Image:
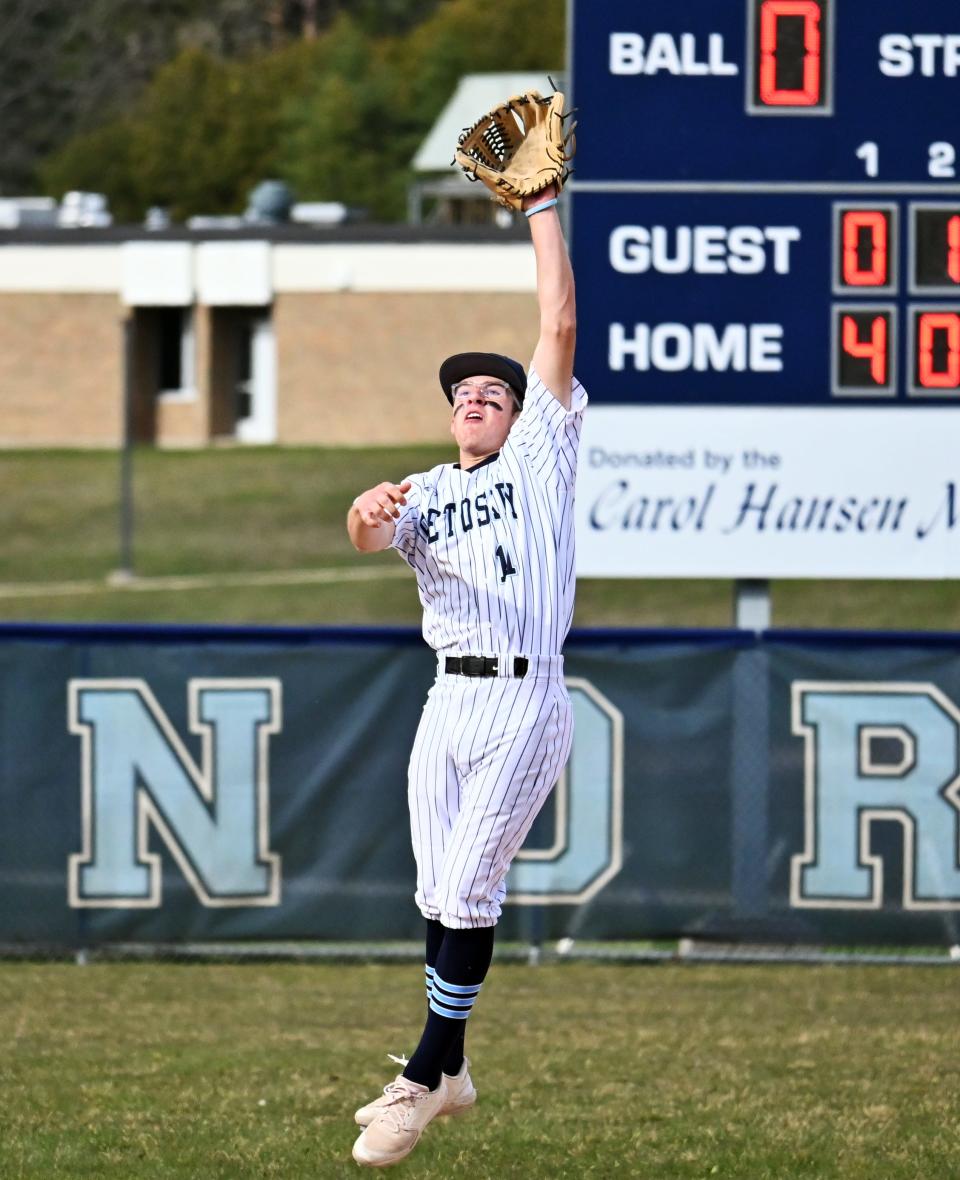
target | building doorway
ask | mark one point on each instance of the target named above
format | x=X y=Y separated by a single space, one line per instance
x=244 y=377
x=256 y=388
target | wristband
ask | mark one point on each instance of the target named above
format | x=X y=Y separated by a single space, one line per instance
x=539 y=208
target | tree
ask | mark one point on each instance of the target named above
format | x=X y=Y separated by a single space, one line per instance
x=338 y=141
x=338 y=115
x=466 y=38
x=378 y=18
x=68 y=68
x=203 y=134
x=353 y=135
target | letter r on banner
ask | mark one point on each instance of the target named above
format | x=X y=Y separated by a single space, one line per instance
x=214 y=819
x=847 y=786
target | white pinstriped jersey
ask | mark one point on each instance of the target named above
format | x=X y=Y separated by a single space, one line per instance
x=493 y=546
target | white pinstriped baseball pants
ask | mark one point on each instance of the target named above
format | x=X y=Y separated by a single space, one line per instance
x=487 y=754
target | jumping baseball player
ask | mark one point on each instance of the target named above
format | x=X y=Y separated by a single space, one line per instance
x=490 y=539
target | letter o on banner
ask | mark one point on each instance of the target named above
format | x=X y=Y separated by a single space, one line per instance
x=587 y=849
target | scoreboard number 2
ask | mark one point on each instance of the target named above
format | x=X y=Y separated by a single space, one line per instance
x=943 y=158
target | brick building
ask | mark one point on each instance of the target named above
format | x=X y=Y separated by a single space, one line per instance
x=283 y=334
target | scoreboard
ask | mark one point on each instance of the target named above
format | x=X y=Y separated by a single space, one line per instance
x=765 y=229
x=766 y=203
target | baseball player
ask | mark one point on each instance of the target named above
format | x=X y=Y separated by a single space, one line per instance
x=490 y=539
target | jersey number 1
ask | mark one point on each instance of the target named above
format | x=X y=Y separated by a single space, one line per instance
x=506 y=565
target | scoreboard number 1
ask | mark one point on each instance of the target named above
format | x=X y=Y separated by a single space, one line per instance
x=870 y=154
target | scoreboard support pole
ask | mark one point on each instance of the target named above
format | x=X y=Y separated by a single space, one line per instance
x=751 y=604
x=749 y=757
x=750 y=774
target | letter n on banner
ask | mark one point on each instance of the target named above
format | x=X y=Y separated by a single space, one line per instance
x=848 y=786
x=136 y=771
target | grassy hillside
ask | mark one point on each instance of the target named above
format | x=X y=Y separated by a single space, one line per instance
x=232 y=513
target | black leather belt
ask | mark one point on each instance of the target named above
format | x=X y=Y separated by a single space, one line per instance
x=483 y=666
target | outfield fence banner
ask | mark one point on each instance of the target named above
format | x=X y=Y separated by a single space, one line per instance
x=182 y=784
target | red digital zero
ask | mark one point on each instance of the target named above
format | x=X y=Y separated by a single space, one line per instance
x=791 y=53
x=938 y=350
x=866 y=247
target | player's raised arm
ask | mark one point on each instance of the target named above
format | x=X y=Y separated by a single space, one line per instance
x=521 y=150
x=553 y=356
x=372 y=516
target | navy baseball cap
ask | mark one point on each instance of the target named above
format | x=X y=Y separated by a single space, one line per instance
x=489 y=364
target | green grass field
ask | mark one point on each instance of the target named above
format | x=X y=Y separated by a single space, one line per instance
x=198 y=1072
x=234 y=511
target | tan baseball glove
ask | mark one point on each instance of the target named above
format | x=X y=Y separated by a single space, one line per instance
x=519 y=147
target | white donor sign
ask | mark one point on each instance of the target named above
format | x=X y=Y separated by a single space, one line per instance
x=769 y=493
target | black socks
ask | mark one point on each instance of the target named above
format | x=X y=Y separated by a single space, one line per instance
x=461 y=959
x=435 y=932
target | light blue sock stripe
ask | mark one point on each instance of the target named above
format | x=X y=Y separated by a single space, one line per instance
x=457 y=989
x=450 y=999
x=450 y=1013
x=453 y=1001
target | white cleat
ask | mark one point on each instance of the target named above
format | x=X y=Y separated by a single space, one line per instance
x=461 y=1095
x=406 y=1109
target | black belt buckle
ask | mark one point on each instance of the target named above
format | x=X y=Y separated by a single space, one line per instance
x=483 y=666
x=478 y=666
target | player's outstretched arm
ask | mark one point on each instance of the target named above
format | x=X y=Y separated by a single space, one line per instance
x=553 y=356
x=372 y=516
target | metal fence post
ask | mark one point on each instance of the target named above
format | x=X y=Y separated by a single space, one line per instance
x=125 y=570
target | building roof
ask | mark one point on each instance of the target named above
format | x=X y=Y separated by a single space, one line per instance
x=154 y=271
x=475 y=94
x=351 y=232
